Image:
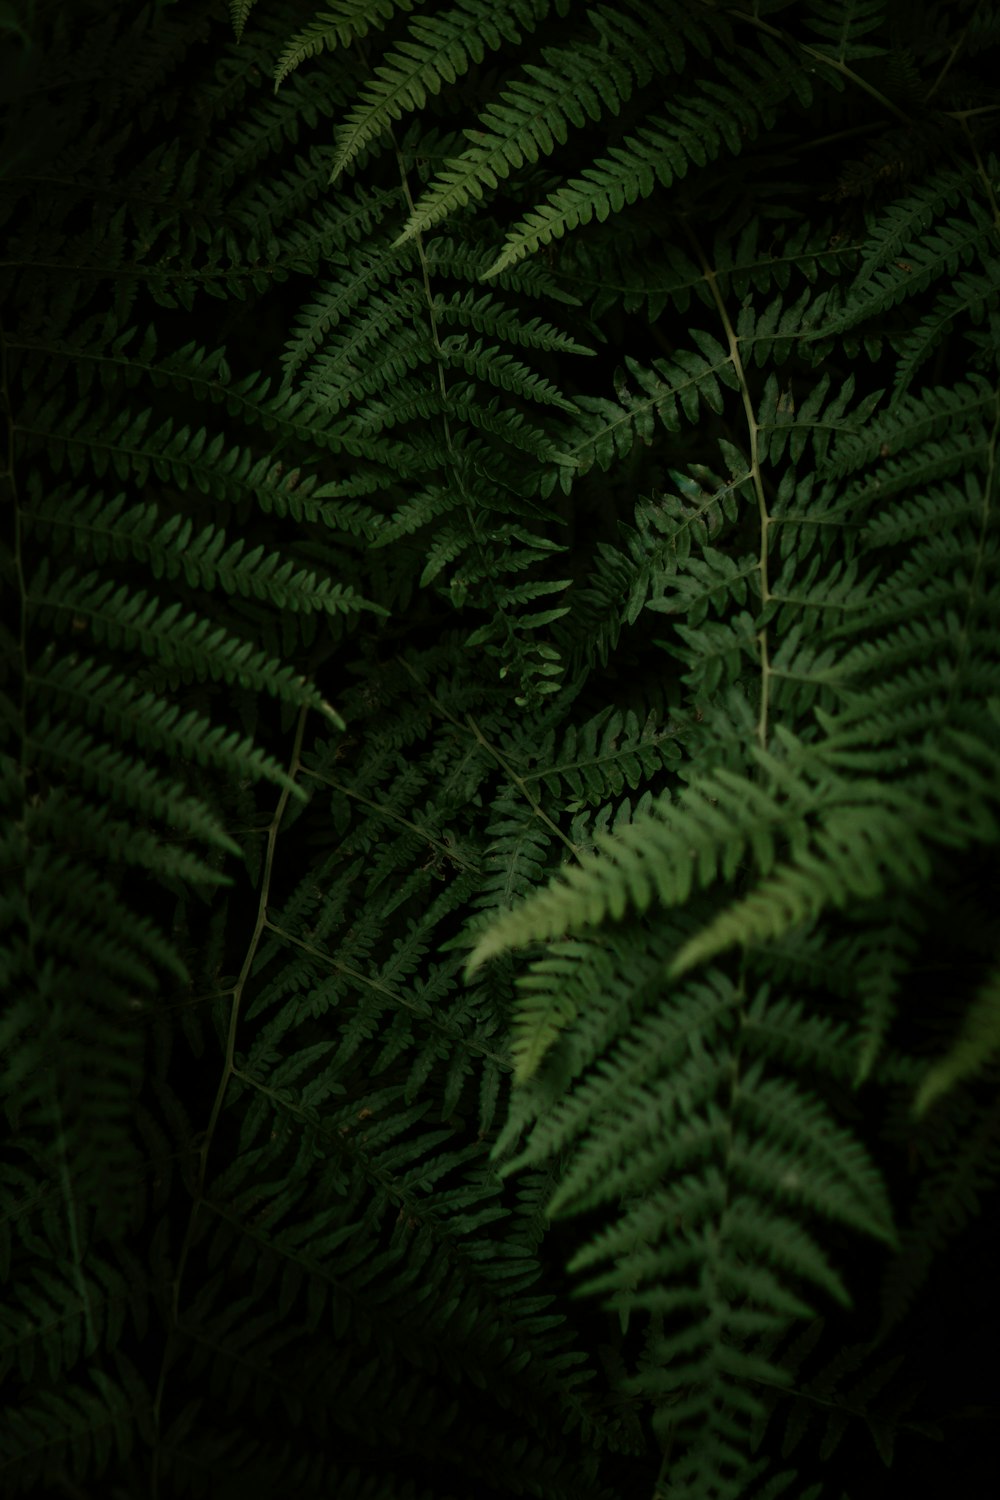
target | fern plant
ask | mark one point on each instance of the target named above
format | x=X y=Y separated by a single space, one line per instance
x=501 y=715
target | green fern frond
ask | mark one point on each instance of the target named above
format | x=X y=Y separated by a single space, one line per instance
x=941 y=252
x=239 y=14
x=840 y=25
x=118 y=840
x=103 y=696
x=175 y=547
x=672 y=391
x=680 y=846
x=973 y=296
x=946 y=423
x=184 y=643
x=602 y=757
x=972 y=1050
x=486 y=314
x=682 y=678
x=70 y=1430
x=862 y=851
x=662 y=149
x=343 y=23
x=439 y=49
x=857 y=1386
x=574 y=86
x=901 y=223
x=710 y=1162
x=667 y=526
x=73 y=751
x=364 y=274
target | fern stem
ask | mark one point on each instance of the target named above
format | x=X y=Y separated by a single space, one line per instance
x=73 y=1216
x=838 y=64
x=425 y=276
x=522 y=787
x=446 y=850
x=364 y=981
x=265 y=887
x=228 y=1071
x=501 y=612
x=981 y=171
x=505 y=766
x=945 y=68
x=753 y=430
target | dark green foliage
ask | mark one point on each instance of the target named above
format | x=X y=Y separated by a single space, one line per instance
x=499 y=747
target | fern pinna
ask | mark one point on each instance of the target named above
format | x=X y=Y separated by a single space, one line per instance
x=501 y=712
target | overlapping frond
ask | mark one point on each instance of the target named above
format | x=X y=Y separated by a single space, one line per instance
x=357 y=613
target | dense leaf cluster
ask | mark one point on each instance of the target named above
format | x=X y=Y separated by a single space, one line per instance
x=499 y=747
